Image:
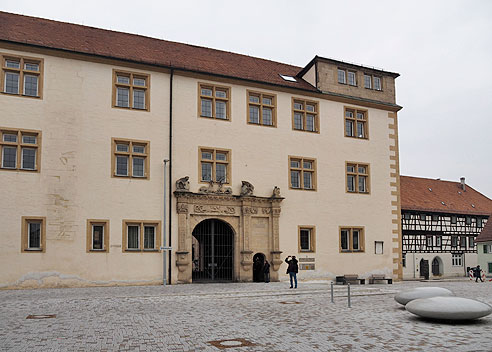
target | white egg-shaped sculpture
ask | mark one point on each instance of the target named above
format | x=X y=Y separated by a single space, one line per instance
x=449 y=308
x=421 y=292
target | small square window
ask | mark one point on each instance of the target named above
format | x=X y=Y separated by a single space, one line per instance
x=97 y=235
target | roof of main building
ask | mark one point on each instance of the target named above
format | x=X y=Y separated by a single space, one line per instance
x=486 y=233
x=140 y=49
x=424 y=194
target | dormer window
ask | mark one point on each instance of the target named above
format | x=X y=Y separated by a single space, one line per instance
x=288 y=78
x=372 y=82
x=342 y=77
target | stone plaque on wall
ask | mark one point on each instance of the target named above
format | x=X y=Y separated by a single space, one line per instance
x=259 y=233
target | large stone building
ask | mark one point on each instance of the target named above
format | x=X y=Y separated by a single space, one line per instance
x=440 y=223
x=265 y=160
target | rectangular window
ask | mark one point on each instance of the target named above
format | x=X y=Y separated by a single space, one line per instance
x=429 y=242
x=485 y=249
x=438 y=241
x=490 y=267
x=21 y=76
x=356 y=123
x=306 y=238
x=33 y=237
x=139 y=235
x=456 y=259
x=214 y=101
x=305 y=115
x=131 y=90
x=471 y=242
x=357 y=176
x=214 y=165
x=454 y=241
x=423 y=217
x=302 y=173
x=352 y=81
x=435 y=217
x=97 y=235
x=378 y=247
x=462 y=242
x=372 y=82
x=479 y=222
x=352 y=239
x=19 y=149
x=130 y=158
x=262 y=109
x=454 y=219
x=468 y=220
x=367 y=81
x=342 y=76
x=404 y=260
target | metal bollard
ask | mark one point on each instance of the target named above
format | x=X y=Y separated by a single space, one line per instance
x=332 y=301
x=348 y=290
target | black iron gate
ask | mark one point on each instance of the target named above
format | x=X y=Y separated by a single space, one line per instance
x=213 y=251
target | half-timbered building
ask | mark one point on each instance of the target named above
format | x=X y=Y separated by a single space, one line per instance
x=484 y=249
x=440 y=223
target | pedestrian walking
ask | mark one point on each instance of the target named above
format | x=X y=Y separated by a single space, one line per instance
x=292 y=270
x=266 y=271
x=478 y=273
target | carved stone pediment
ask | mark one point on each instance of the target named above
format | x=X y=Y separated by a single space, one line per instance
x=215 y=188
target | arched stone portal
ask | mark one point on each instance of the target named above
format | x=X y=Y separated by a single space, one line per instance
x=213 y=251
x=253 y=220
x=437 y=266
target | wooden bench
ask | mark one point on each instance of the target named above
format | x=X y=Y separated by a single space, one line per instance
x=379 y=278
x=352 y=279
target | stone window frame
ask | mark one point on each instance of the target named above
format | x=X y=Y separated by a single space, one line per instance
x=260 y=106
x=355 y=120
x=304 y=112
x=131 y=86
x=20 y=145
x=141 y=224
x=302 y=170
x=25 y=221
x=312 y=238
x=357 y=174
x=350 y=230
x=22 y=72
x=89 y=237
x=372 y=82
x=130 y=154
x=214 y=162
x=214 y=99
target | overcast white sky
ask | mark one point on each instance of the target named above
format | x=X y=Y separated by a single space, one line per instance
x=442 y=49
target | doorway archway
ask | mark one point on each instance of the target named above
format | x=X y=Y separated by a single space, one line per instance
x=258 y=263
x=212 y=251
x=436 y=266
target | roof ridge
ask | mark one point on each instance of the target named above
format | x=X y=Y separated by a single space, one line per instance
x=148 y=37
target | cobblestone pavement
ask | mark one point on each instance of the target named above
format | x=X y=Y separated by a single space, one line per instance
x=266 y=317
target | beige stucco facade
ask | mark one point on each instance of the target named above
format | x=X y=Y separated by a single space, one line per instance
x=77 y=124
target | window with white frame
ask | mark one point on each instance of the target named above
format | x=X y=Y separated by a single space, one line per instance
x=457 y=259
x=372 y=82
x=306 y=239
x=351 y=240
x=33 y=234
x=378 y=247
x=131 y=90
x=302 y=173
x=141 y=235
x=20 y=149
x=22 y=76
x=97 y=235
x=130 y=158
x=429 y=241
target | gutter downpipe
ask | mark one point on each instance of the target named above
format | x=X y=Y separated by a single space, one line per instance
x=164 y=280
x=170 y=166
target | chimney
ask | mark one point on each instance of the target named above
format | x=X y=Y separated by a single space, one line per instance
x=463 y=185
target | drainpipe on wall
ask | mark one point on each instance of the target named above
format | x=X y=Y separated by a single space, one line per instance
x=170 y=166
x=164 y=248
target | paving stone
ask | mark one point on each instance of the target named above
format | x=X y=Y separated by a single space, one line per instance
x=187 y=317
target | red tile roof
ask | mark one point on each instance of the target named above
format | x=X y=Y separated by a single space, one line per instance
x=486 y=233
x=424 y=194
x=136 y=48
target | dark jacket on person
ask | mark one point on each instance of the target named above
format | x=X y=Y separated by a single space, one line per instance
x=478 y=272
x=266 y=268
x=293 y=267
